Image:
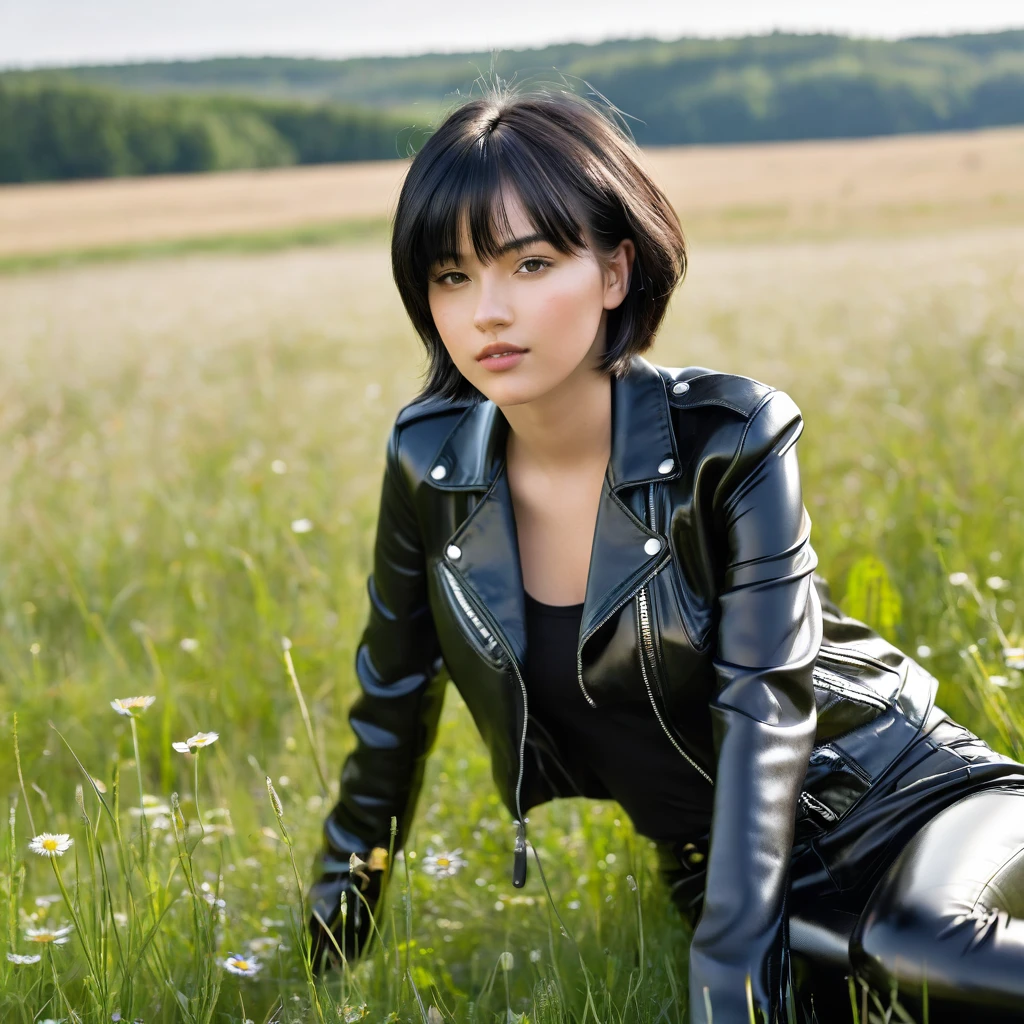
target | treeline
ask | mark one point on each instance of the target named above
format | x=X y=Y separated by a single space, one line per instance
x=260 y=112
x=58 y=130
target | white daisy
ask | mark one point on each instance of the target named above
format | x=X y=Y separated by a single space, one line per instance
x=444 y=864
x=150 y=805
x=958 y=579
x=246 y=965
x=264 y=944
x=126 y=705
x=58 y=936
x=1014 y=657
x=49 y=844
x=201 y=739
x=17 y=958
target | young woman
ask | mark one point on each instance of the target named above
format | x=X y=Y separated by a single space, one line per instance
x=611 y=560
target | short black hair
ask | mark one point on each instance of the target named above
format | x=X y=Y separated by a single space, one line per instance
x=572 y=167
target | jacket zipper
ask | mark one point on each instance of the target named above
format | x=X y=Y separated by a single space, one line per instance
x=491 y=640
x=844 y=687
x=854 y=657
x=645 y=631
x=593 y=629
x=644 y=618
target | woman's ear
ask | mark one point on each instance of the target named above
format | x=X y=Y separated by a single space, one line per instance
x=617 y=270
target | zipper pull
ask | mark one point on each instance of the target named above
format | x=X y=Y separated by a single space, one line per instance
x=519 y=857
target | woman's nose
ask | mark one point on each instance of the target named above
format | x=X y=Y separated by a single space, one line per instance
x=492 y=309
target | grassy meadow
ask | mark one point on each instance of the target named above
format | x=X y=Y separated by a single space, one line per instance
x=191 y=447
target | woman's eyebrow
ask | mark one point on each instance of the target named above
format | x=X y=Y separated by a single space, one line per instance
x=509 y=246
x=522 y=243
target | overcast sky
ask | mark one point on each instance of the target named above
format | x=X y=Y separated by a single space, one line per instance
x=34 y=32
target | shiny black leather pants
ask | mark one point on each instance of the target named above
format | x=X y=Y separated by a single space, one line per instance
x=950 y=909
x=942 y=901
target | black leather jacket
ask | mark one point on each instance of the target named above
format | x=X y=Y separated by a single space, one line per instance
x=702 y=594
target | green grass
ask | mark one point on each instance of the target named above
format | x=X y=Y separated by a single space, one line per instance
x=303 y=235
x=163 y=424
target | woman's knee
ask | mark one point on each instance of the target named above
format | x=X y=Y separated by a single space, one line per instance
x=941 y=915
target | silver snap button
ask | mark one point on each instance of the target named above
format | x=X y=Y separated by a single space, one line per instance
x=653 y=546
x=454 y=552
x=680 y=387
x=666 y=466
x=439 y=472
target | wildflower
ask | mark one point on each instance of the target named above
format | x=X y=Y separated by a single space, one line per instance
x=535 y=955
x=201 y=739
x=264 y=944
x=996 y=582
x=189 y=644
x=924 y=651
x=1014 y=657
x=506 y=961
x=45 y=901
x=246 y=965
x=48 y=844
x=279 y=466
x=302 y=525
x=1003 y=682
x=350 y=1014
x=57 y=936
x=126 y=705
x=18 y=958
x=150 y=805
x=445 y=864
x=958 y=579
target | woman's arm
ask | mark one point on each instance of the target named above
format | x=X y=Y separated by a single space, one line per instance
x=394 y=718
x=763 y=718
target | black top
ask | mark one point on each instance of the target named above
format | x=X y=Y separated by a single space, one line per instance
x=622 y=745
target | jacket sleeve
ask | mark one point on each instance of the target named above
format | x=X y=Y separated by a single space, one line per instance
x=763 y=718
x=394 y=718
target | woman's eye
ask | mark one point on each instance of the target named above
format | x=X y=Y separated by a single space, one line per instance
x=539 y=264
x=444 y=277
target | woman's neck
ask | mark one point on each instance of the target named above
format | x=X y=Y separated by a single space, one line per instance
x=566 y=429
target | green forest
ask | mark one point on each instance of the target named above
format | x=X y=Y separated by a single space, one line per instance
x=184 y=116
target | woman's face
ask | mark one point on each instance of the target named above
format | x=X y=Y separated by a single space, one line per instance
x=532 y=298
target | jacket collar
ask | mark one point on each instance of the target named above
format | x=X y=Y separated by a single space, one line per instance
x=473 y=454
x=483 y=551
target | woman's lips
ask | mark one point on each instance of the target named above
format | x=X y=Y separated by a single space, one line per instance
x=505 y=361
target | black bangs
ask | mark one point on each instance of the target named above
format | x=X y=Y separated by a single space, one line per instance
x=575 y=175
x=472 y=187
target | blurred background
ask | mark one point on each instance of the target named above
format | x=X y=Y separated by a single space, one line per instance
x=202 y=351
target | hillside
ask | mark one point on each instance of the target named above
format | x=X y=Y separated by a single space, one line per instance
x=229 y=113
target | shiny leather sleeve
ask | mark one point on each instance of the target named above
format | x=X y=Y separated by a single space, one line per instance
x=394 y=716
x=763 y=718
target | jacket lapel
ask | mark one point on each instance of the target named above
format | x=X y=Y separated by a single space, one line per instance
x=483 y=551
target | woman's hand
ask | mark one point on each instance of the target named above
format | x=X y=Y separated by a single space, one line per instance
x=341 y=920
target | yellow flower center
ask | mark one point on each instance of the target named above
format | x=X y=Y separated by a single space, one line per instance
x=242 y=965
x=49 y=844
x=443 y=862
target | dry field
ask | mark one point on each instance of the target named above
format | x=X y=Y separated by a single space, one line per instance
x=190 y=459
x=736 y=192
